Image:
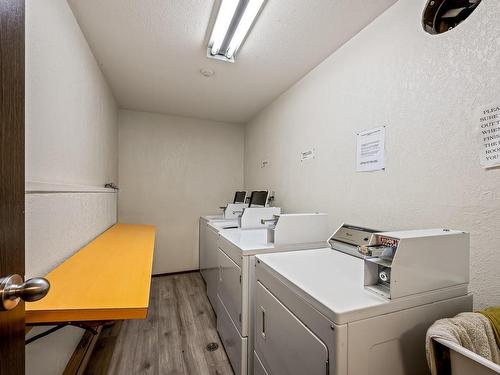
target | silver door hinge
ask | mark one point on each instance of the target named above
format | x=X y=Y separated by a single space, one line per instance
x=239 y=317
x=240 y=279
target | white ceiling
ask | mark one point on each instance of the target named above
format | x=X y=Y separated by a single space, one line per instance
x=151 y=51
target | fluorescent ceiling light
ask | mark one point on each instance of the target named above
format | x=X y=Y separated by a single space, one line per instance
x=233 y=22
x=246 y=22
x=222 y=23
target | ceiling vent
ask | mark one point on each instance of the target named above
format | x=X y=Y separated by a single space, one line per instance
x=443 y=15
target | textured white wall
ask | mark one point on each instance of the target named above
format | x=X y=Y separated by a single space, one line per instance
x=426 y=90
x=71 y=138
x=57 y=225
x=71 y=132
x=172 y=170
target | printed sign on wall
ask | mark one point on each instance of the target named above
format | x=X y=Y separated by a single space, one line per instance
x=370 y=150
x=489 y=136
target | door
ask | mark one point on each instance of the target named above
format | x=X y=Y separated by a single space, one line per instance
x=235 y=345
x=12 y=177
x=258 y=366
x=212 y=271
x=229 y=289
x=202 y=245
x=282 y=342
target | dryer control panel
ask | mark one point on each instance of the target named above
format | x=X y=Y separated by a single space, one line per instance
x=403 y=263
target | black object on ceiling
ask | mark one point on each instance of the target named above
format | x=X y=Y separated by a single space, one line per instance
x=443 y=15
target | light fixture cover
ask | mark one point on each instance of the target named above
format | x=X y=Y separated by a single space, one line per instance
x=234 y=20
x=224 y=17
x=246 y=22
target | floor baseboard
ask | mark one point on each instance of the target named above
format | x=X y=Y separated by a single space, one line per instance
x=174 y=273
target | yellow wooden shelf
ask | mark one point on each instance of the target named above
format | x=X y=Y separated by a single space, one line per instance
x=108 y=279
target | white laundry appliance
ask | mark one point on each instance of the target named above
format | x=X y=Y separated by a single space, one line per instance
x=257 y=198
x=236 y=261
x=231 y=210
x=361 y=306
x=228 y=219
x=205 y=236
x=250 y=219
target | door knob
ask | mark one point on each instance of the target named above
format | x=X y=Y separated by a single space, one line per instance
x=13 y=289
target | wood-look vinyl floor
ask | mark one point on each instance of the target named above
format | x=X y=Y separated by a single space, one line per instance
x=171 y=341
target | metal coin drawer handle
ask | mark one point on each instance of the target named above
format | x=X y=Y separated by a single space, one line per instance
x=13 y=289
x=274 y=220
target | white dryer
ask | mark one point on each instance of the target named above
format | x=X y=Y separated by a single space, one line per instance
x=236 y=261
x=208 y=254
x=361 y=306
x=229 y=218
x=209 y=235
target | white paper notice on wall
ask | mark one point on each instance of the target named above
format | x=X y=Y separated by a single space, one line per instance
x=370 y=150
x=489 y=136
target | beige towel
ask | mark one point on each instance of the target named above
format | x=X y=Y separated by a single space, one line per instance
x=471 y=330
